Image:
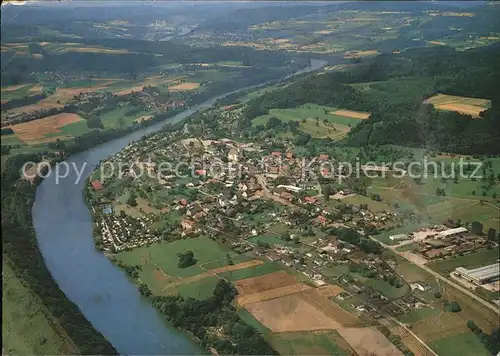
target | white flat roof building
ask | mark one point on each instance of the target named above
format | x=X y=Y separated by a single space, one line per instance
x=399 y=237
x=480 y=275
x=451 y=232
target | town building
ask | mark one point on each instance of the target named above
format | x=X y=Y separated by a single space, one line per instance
x=481 y=275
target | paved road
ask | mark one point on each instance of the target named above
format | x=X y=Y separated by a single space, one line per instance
x=442 y=278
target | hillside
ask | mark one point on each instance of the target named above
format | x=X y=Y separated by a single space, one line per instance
x=394 y=89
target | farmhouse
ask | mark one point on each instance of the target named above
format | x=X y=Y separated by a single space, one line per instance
x=481 y=275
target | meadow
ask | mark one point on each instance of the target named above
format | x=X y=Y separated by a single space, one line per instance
x=27 y=326
x=462 y=344
x=316 y=120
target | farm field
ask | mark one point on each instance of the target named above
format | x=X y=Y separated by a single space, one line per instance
x=300 y=343
x=46 y=129
x=447 y=324
x=28 y=328
x=369 y=341
x=19 y=91
x=294 y=311
x=469 y=261
x=464 y=105
x=419 y=314
x=466 y=343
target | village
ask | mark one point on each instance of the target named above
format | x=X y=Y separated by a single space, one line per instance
x=260 y=203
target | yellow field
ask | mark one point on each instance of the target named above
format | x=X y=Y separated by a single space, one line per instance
x=461 y=104
x=184 y=86
x=359 y=54
x=354 y=114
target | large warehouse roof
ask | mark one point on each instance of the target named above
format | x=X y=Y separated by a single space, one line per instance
x=485 y=272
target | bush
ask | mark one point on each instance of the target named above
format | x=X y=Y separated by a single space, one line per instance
x=186 y=259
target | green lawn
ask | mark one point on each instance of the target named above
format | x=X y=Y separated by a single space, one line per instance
x=76 y=128
x=164 y=255
x=202 y=289
x=472 y=260
x=308 y=343
x=27 y=328
x=419 y=314
x=269 y=239
x=462 y=344
x=255 y=271
x=373 y=205
x=116 y=118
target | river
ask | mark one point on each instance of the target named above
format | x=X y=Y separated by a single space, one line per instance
x=103 y=293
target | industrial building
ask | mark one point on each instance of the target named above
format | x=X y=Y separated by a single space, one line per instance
x=452 y=232
x=481 y=275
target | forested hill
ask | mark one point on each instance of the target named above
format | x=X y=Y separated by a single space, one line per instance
x=393 y=88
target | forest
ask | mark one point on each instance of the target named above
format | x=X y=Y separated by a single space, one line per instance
x=398 y=112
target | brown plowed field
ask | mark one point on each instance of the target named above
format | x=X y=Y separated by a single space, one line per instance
x=329 y=308
x=291 y=313
x=36 y=130
x=262 y=283
x=272 y=293
x=369 y=342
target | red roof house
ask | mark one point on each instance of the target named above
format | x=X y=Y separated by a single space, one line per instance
x=310 y=200
x=96 y=185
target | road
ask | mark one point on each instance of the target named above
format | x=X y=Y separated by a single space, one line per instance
x=440 y=277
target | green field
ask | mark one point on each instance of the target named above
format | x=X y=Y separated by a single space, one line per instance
x=472 y=260
x=27 y=327
x=312 y=111
x=268 y=239
x=419 y=314
x=76 y=129
x=309 y=343
x=373 y=205
x=164 y=255
x=462 y=344
x=116 y=118
x=19 y=93
x=202 y=289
